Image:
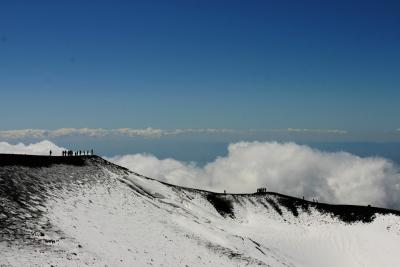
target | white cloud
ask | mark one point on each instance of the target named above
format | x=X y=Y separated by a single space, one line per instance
x=299 y=130
x=202 y=131
x=282 y=167
x=147 y=132
x=18 y=134
x=97 y=132
x=318 y=131
x=41 y=148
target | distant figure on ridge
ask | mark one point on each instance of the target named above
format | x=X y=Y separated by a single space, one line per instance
x=92 y=151
x=261 y=190
x=51 y=152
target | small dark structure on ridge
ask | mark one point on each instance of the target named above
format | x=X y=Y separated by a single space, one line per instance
x=261 y=190
x=71 y=153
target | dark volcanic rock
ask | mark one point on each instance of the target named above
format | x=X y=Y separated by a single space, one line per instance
x=222 y=204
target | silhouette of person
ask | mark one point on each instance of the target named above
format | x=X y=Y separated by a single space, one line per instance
x=50 y=152
x=92 y=152
x=80 y=152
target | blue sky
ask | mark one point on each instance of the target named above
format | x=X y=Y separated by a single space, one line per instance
x=202 y=64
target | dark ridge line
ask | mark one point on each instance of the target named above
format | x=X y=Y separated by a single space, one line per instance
x=38 y=161
x=268 y=193
x=346 y=213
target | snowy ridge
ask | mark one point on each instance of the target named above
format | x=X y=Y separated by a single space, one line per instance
x=54 y=211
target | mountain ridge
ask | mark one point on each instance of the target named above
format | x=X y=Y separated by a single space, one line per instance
x=38 y=161
x=89 y=211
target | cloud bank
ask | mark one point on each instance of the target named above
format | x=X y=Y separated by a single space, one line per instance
x=147 y=132
x=282 y=167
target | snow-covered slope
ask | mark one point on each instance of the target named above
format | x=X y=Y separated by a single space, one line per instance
x=86 y=211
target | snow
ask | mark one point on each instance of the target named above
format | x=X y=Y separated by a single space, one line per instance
x=105 y=217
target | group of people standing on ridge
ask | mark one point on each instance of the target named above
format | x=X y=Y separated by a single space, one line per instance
x=77 y=153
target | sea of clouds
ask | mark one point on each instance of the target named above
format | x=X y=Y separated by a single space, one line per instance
x=288 y=168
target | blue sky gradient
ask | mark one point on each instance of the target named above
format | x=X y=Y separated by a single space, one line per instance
x=201 y=64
